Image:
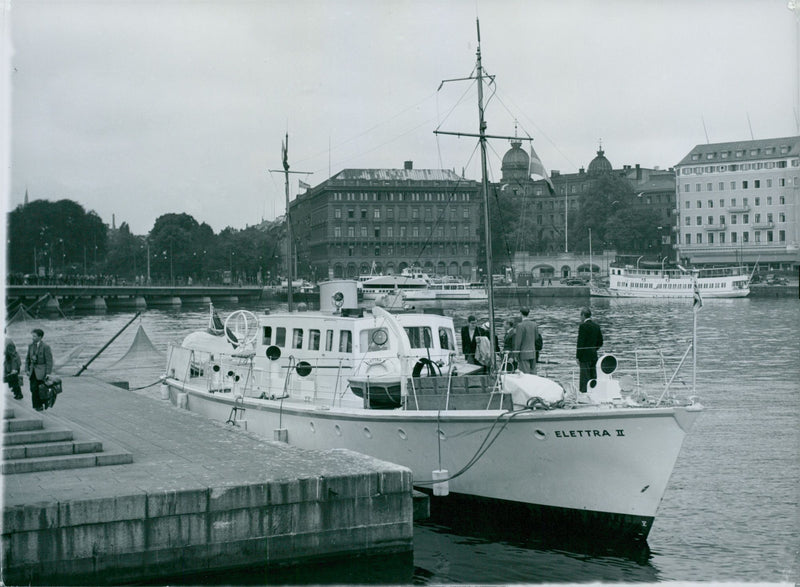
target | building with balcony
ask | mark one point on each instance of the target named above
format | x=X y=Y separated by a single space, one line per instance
x=737 y=203
x=380 y=221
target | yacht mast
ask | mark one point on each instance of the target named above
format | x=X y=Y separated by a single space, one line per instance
x=485 y=190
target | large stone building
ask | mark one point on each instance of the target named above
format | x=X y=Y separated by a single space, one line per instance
x=363 y=221
x=655 y=189
x=738 y=203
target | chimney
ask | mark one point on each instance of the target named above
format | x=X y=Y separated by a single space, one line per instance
x=408 y=165
x=638 y=172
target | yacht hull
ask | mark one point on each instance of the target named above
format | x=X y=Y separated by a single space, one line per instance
x=602 y=467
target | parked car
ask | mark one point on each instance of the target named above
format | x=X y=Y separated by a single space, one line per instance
x=573 y=281
x=777 y=281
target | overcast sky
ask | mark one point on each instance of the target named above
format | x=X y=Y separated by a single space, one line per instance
x=139 y=109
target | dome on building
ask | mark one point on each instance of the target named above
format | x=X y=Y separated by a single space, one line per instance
x=600 y=164
x=516 y=163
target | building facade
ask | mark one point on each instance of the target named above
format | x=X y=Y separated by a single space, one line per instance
x=737 y=203
x=380 y=221
x=655 y=189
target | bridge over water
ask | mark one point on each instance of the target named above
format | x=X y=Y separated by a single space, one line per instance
x=99 y=297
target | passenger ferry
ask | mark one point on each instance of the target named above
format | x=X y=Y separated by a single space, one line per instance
x=629 y=281
x=415 y=285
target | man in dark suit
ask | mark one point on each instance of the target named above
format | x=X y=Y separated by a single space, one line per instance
x=589 y=340
x=468 y=335
x=38 y=365
x=525 y=342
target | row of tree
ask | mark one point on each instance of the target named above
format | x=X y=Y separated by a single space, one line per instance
x=61 y=239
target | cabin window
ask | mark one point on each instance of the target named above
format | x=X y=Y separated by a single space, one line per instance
x=345 y=341
x=313 y=340
x=329 y=340
x=297 y=338
x=267 y=335
x=374 y=339
x=420 y=337
x=446 y=339
x=280 y=336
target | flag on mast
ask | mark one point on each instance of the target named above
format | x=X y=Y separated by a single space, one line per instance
x=698 y=300
x=285 y=153
x=303 y=185
x=535 y=167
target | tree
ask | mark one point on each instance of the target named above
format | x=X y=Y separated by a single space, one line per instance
x=60 y=237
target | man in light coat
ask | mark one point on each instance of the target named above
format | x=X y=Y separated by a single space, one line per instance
x=38 y=365
x=525 y=342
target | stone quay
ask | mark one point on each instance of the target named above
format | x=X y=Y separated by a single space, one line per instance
x=110 y=486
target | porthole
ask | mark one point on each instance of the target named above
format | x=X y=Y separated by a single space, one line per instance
x=402 y=434
x=367 y=432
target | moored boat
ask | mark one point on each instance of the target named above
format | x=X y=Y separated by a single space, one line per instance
x=628 y=281
x=394 y=387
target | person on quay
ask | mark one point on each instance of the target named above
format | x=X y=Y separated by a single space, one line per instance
x=11 y=368
x=590 y=338
x=469 y=333
x=525 y=342
x=38 y=365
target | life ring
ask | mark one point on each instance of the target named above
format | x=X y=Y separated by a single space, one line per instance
x=433 y=368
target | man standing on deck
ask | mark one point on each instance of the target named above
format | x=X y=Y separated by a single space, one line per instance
x=525 y=342
x=589 y=340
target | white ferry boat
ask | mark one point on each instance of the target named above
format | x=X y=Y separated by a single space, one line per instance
x=659 y=282
x=415 y=285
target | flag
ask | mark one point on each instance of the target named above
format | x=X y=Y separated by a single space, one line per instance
x=535 y=167
x=285 y=153
x=698 y=300
x=303 y=185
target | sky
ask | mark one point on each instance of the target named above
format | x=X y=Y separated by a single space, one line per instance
x=139 y=109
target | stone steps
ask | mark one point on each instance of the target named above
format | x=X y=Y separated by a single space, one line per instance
x=30 y=445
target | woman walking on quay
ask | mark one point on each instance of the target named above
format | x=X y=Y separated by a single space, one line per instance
x=11 y=368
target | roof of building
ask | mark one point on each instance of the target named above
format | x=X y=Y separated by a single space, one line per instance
x=399 y=175
x=743 y=151
x=516 y=158
x=600 y=164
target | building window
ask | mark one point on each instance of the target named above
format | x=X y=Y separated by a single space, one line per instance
x=756 y=183
x=465 y=213
x=769 y=216
x=757 y=234
x=351 y=213
x=733 y=202
x=377 y=251
x=415 y=231
x=769 y=183
x=699 y=220
x=699 y=238
x=745 y=237
x=782 y=182
x=721 y=203
x=734 y=218
x=337 y=213
x=390 y=231
x=769 y=236
x=376 y=214
x=377 y=232
x=697 y=187
x=711 y=238
x=781 y=200
x=688 y=239
x=711 y=203
x=781 y=217
x=337 y=231
x=710 y=220
x=688 y=204
x=708 y=187
x=721 y=186
x=414 y=213
x=758 y=218
x=364 y=214
x=733 y=237
x=722 y=220
x=769 y=200
x=688 y=221
x=745 y=218
x=363 y=231
x=403 y=230
x=351 y=231
x=733 y=185
x=722 y=238
x=390 y=213
x=686 y=188
x=699 y=204
x=782 y=236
